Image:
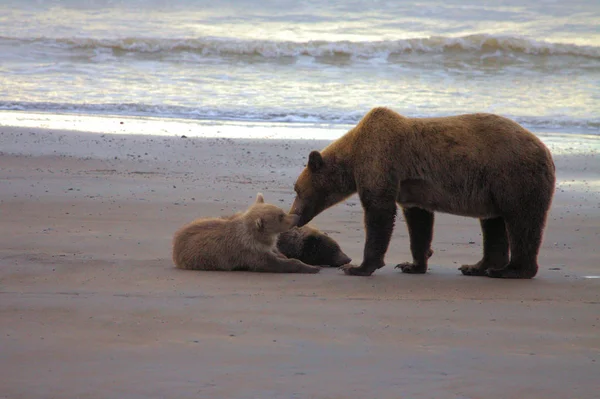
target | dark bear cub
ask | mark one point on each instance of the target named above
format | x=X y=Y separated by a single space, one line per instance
x=312 y=247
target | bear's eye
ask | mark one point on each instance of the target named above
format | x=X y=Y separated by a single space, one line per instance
x=281 y=217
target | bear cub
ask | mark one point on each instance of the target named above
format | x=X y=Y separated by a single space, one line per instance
x=312 y=247
x=245 y=241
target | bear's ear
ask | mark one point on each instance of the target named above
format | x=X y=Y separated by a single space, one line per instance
x=260 y=199
x=260 y=224
x=315 y=161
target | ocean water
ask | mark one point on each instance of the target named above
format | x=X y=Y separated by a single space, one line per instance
x=303 y=62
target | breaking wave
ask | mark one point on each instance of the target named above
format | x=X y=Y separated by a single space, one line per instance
x=274 y=49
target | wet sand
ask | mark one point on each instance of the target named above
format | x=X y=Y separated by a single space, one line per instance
x=92 y=307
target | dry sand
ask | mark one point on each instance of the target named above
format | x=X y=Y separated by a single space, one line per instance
x=91 y=306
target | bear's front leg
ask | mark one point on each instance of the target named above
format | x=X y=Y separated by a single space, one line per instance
x=379 y=223
x=420 y=231
x=270 y=263
x=278 y=253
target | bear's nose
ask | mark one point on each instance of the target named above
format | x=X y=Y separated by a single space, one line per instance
x=294 y=219
x=343 y=260
x=296 y=208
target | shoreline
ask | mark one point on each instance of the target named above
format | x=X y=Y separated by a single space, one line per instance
x=171 y=126
x=78 y=140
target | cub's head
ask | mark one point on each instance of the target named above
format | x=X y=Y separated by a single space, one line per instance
x=323 y=183
x=320 y=249
x=269 y=220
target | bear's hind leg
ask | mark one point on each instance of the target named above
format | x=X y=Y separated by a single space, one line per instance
x=525 y=238
x=495 y=248
x=420 y=231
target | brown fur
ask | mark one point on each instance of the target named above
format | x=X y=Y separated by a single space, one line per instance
x=476 y=165
x=245 y=241
x=312 y=247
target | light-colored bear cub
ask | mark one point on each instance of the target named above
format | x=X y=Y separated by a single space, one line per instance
x=245 y=241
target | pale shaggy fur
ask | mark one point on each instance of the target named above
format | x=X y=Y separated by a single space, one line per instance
x=245 y=241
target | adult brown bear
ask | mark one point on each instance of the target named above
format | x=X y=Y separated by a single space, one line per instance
x=476 y=165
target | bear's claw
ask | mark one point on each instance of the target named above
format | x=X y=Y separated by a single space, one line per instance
x=411 y=268
x=473 y=270
x=352 y=270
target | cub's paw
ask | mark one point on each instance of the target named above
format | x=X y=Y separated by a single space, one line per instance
x=352 y=270
x=311 y=269
x=411 y=268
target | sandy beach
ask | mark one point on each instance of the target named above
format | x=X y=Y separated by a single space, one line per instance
x=92 y=307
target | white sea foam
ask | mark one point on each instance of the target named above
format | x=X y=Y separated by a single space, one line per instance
x=560 y=124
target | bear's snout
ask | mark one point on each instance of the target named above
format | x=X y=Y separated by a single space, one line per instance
x=343 y=259
x=296 y=208
x=293 y=219
x=302 y=220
